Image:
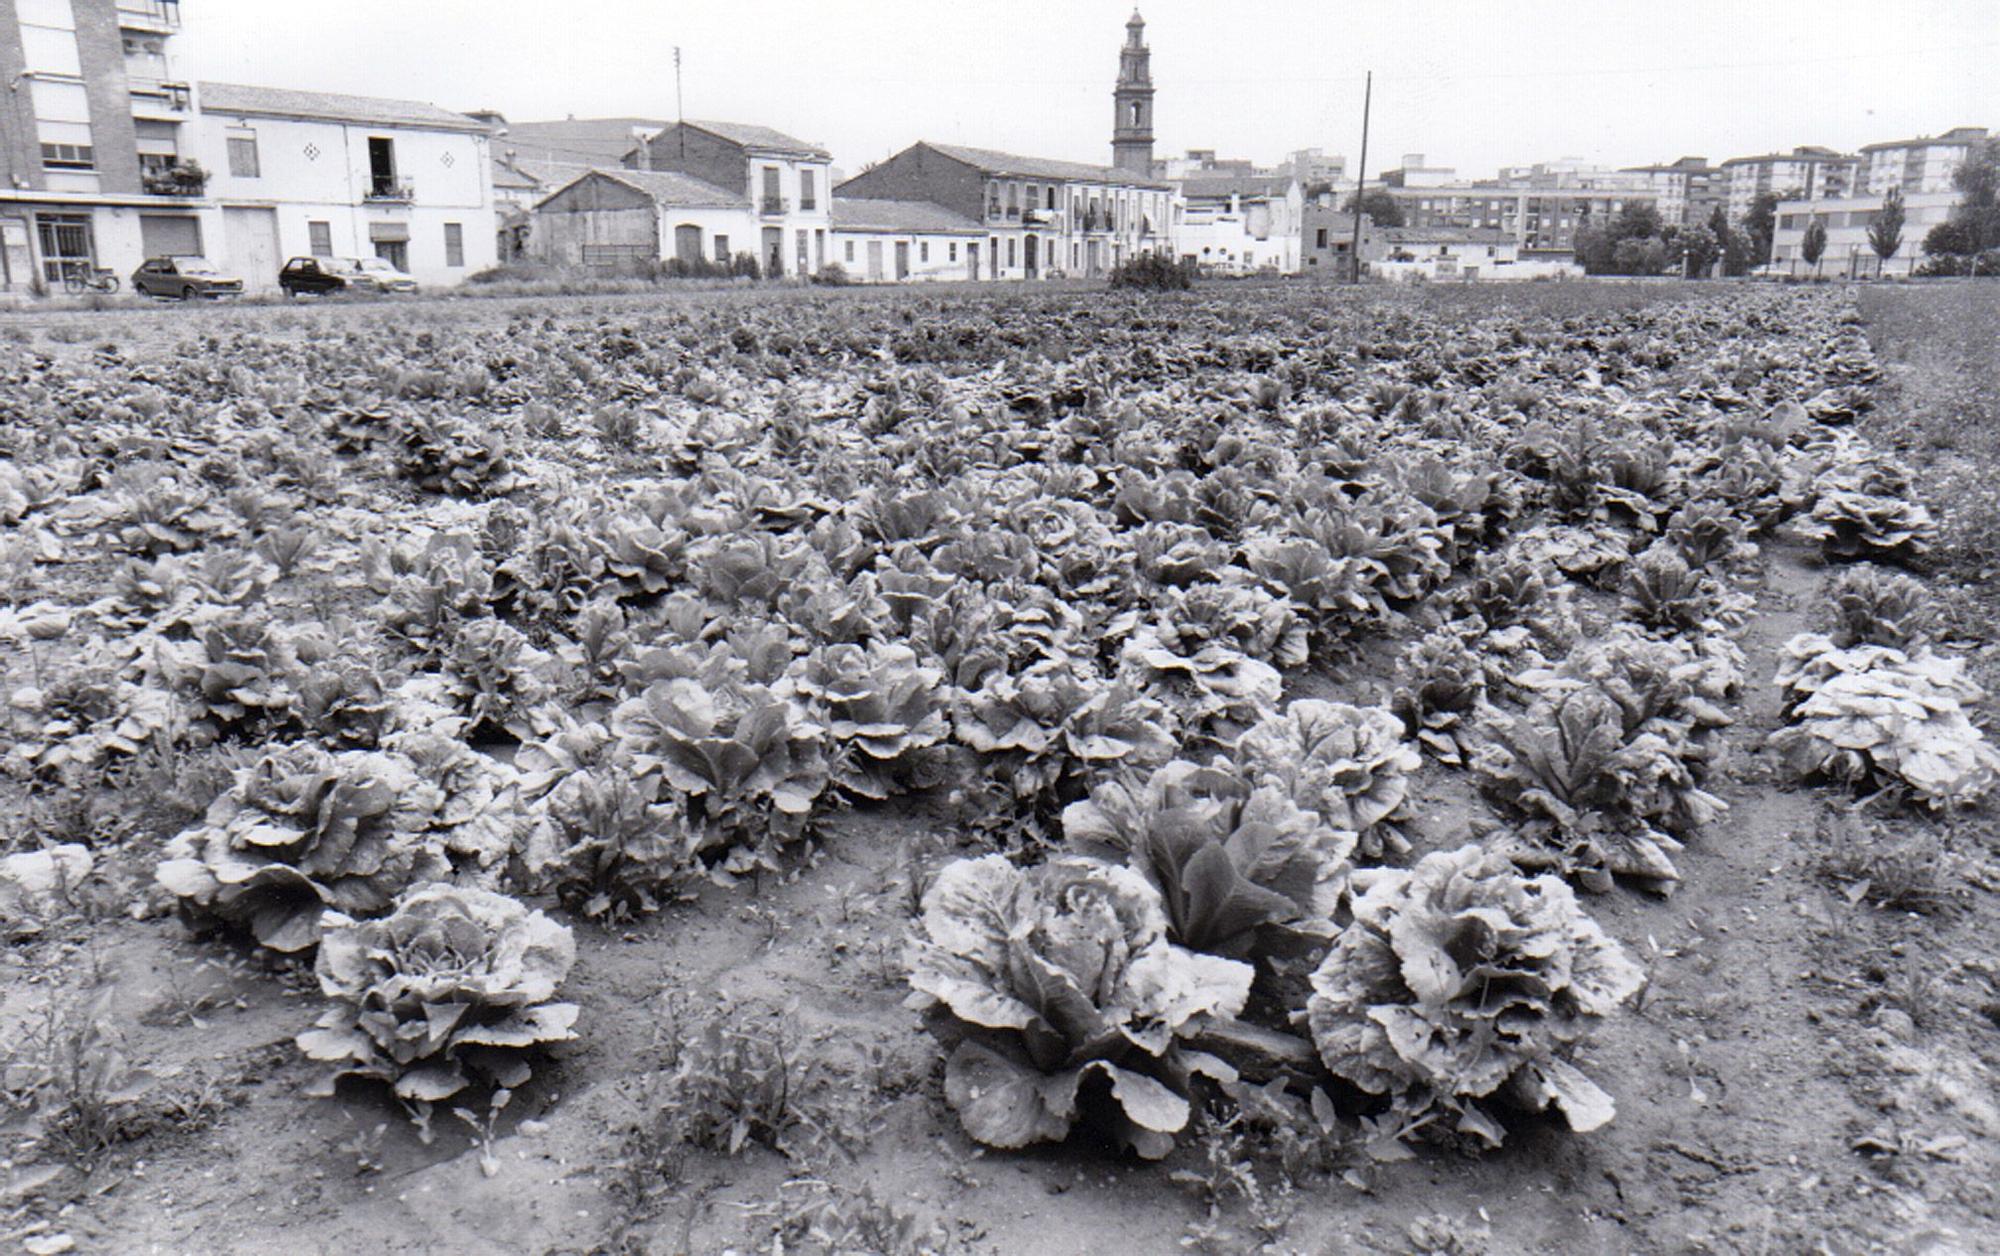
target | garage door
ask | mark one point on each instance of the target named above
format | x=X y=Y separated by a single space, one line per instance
x=165 y=235
x=252 y=238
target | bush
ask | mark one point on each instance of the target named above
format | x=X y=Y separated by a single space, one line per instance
x=833 y=275
x=1947 y=265
x=1153 y=272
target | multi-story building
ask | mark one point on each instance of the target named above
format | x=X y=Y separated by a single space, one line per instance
x=1042 y=217
x=1541 y=220
x=1689 y=189
x=298 y=173
x=1918 y=166
x=1203 y=161
x=1805 y=174
x=1313 y=166
x=1240 y=225
x=1849 y=252
x=95 y=146
x=786 y=181
x=1132 y=100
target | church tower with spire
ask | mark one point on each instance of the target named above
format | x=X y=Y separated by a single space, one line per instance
x=1132 y=130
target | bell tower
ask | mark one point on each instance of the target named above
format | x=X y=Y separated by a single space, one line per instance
x=1132 y=129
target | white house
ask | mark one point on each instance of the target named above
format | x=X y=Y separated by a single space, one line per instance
x=881 y=241
x=787 y=183
x=1460 y=253
x=295 y=173
x=1242 y=224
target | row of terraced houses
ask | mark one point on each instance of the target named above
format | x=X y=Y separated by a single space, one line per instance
x=111 y=156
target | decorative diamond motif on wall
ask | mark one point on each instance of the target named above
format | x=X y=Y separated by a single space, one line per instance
x=447 y=160
x=312 y=152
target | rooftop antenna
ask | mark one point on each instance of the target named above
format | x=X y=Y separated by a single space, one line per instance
x=1361 y=175
x=680 y=115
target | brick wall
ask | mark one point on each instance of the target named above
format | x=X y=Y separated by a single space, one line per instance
x=20 y=153
x=102 y=51
x=706 y=157
x=920 y=174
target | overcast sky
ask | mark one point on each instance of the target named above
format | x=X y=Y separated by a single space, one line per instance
x=1474 y=84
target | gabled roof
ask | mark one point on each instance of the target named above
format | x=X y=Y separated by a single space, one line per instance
x=284 y=102
x=578 y=141
x=1222 y=187
x=914 y=217
x=992 y=161
x=506 y=176
x=664 y=187
x=760 y=139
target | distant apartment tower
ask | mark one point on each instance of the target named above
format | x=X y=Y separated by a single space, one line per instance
x=1689 y=189
x=1132 y=129
x=1804 y=174
x=94 y=139
x=1925 y=164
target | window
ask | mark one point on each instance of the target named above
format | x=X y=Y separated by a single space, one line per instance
x=454 y=244
x=68 y=157
x=321 y=234
x=924 y=251
x=66 y=245
x=381 y=166
x=850 y=250
x=243 y=157
x=805 y=253
x=1010 y=250
x=1321 y=241
x=807 y=198
x=722 y=248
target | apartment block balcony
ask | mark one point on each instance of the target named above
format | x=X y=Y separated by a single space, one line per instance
x=773 y=207
x=160 y=98
x=154 y=17
x=183 y=178
x=391 y=192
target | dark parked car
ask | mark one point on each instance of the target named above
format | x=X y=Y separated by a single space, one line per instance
x=325 y=275
x=184 y=277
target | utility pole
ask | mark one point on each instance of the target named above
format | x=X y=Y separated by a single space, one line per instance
x=1361 y=178
x=680 y=114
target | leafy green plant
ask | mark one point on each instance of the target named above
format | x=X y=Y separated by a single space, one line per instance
x=608 y=847
x=67 y=1086
x=1072 y=1000
x=302 y=831
x=883 y=714
x=1460 y=984
x=1663 y=592
x=1872 y=607
x=1445 y=684
x=453 y=986
x=1350 y=765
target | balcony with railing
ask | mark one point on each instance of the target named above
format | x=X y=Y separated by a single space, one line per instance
x=391 y=191
x=160 y=98
x=179 y=178
x=158 y=17
x=773 y=206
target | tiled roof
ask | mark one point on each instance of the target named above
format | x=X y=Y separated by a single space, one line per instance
x=577 y=141
x=992 y=161
x=1222 y=187
x=332 y=106
x=1958 y=137
x=856 y=214
x=679 y=191
x=505 y=176
x=761 y=138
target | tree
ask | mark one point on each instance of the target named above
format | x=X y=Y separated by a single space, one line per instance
x=1813 y=247
x=1637 y=221
x=1885 y=234
x=1638 y=255
x=1699 y=249
x=1760 y=224
x=1378 y=205
x=1734 y=247
x=1974 y=226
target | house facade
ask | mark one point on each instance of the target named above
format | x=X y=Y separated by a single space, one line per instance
x=1463 y=254
x=1042 y=218
x=1849 y=253
x=621 y=219
x=1541 y=220
x=785 y=181
x=878 y=241
x=296 y=173
x=1805 y=174
x=1243 y=225
x=94 y=172
x=1689 y=189
x=1919 y=166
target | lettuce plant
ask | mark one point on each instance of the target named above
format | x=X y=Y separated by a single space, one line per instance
x=1445 y=683
x=1460 y=984
x=1348 y=764
x=495 y=677
x=304 y=830
x=742 y=760
x=453 y=987
x=608 y=847
x=1873 y=607
x=1663 y=592
x=884 y=716
x=1072 y=1000
x=1227 y=857
x=1871 y=714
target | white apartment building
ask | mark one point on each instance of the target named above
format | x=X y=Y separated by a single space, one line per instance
x=1848 y=251
x=1925 y=164
x=1807 y=174
x=295 y=173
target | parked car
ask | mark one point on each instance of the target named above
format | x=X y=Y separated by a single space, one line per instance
x=184 y=277
x=326 y=275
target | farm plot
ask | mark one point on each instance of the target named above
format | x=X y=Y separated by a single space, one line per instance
x=1391 y=772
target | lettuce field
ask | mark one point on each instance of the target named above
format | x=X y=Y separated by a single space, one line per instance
x=1259 y=770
